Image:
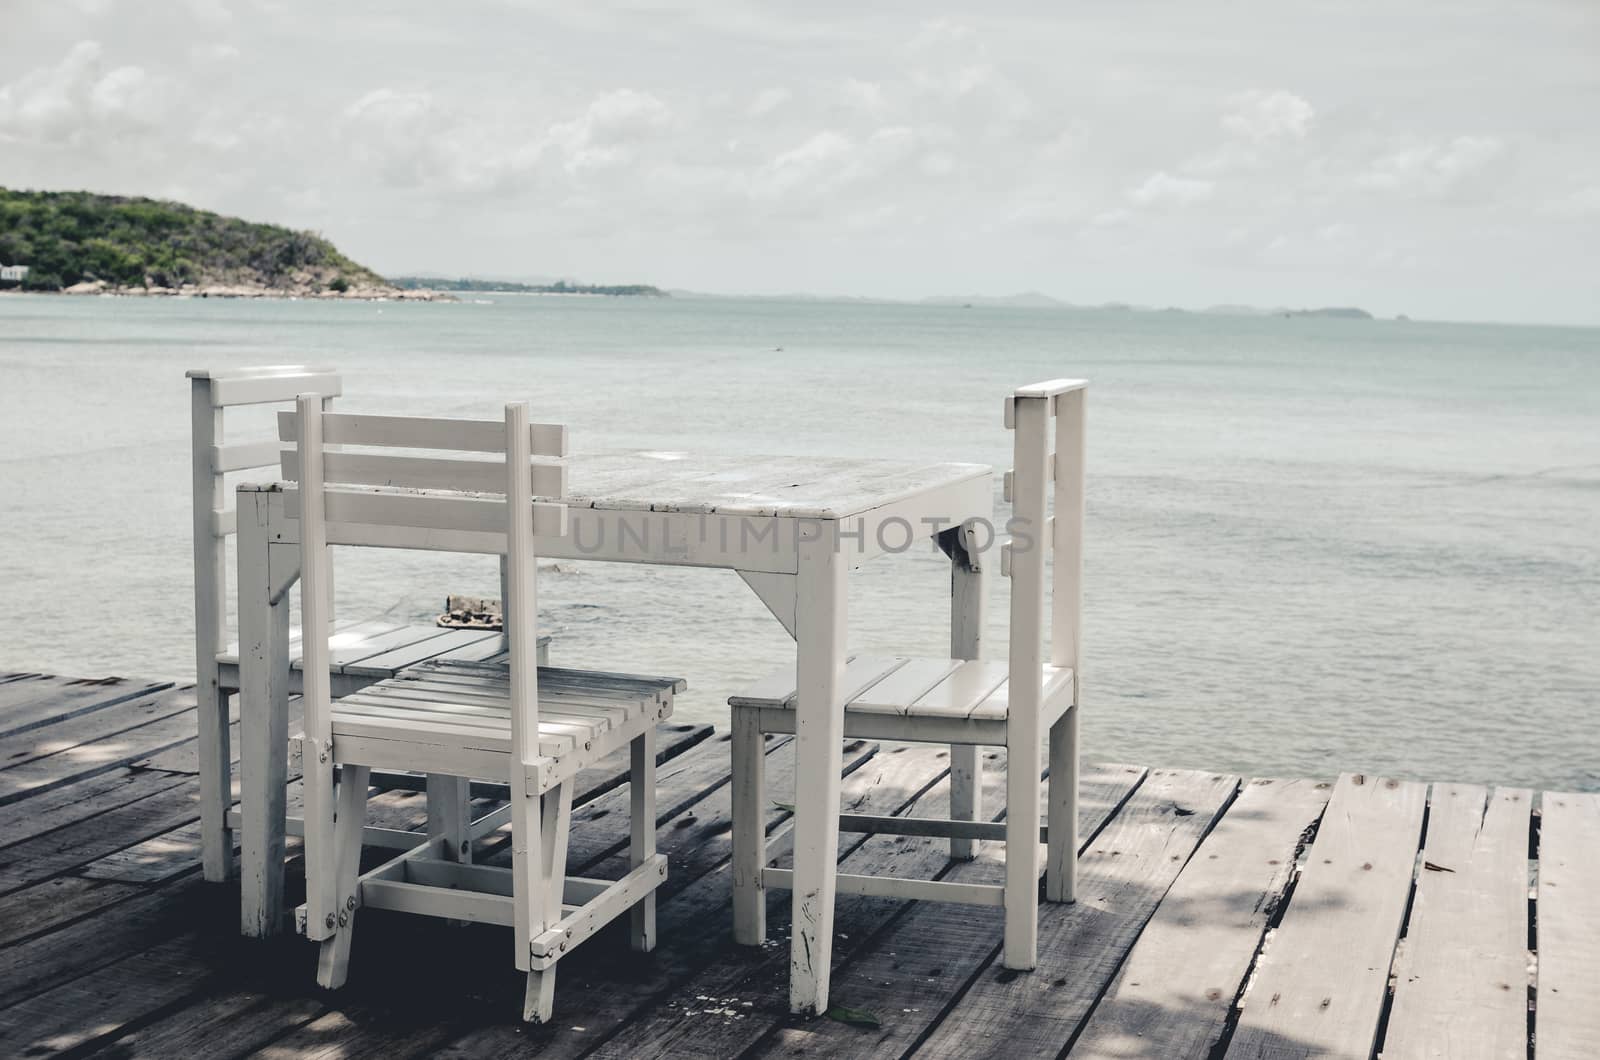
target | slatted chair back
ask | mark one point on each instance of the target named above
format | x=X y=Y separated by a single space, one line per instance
x=397 y=497
x=212 y=393
x=414 y=482
x=1047 y=466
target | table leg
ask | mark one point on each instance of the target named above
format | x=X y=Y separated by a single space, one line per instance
x=216 y=778
x=263 y=721
x=968 y=600
x=820 y=636
x=450 y=815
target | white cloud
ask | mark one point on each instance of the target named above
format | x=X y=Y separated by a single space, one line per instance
x=939 y=33
x=824 y=159
x=1585 y=202
x=609 y=129
x=1164 y=189
x=213 y=11
x=768 y=101
x=1265 y=115
x=123 y=92
x=866 y=96
x=78 y=101
x=213 y=53
x=1441 y=169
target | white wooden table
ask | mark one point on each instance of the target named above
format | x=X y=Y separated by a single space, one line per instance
x=792 y=527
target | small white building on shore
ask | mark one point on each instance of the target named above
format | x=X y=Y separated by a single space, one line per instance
x=13 y=273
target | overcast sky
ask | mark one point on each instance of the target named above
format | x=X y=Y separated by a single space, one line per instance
x=1440 y=159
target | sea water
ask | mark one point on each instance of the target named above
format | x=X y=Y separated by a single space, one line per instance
x=1313 y=544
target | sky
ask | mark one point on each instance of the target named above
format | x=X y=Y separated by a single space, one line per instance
x=1439 y=158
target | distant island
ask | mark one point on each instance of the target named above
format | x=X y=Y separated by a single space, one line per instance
x=78 y=242
x=1038 y=300
x=1341 y=312
x=439 y=283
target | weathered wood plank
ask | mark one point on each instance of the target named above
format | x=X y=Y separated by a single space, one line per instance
x=1122 y=876
x=103 y=755
x=1172 y=997
x=36 y=911
x=352 y=1032
x=94 y=1006
x=64 y=734
x=1321 y=982
x=75 y=802
x=915 y=963
x=232 y=1023
x=32 y=700
x=1567 y=1020
x=1461 y=976
x=52 y=853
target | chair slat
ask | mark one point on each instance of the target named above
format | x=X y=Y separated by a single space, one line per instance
x=406 y=510
x=996 y=705
x=861 y=673
x=895 y=693
x=430 y=473
x=258 y=386
x=414 y=432
x=1051 y=388
x=241 y=456
x=967 y=686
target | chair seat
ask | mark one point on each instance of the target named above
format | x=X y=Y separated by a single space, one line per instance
x=886 y=695
x=454 y=717
x=380 y=648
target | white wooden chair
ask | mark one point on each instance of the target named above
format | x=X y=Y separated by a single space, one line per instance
x=365 y=651
x=532 y=728
x=956 y=701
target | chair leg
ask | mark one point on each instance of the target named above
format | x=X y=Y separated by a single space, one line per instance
x=1061 y=818
x=749 y=831
x=555 y=814
x=334 y=959
x=539 y=1000
x=1022 y=856
x=966 y=795
x=216 y=841
x=642 y=833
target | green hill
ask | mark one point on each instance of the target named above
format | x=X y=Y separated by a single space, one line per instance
x=72 y=237
x=615 y=290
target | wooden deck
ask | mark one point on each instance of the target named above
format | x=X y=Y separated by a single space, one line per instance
x=1219 y=917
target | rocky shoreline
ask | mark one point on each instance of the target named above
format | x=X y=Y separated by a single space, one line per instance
x=354 y=292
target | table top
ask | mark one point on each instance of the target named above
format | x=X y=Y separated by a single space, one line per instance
x=804 y=487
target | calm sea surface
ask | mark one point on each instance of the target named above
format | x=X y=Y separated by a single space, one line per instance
x=1314 y=545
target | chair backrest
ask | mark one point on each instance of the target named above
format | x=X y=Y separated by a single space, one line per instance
x=1046 y=464
x=403 y=499
x=212 y=457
